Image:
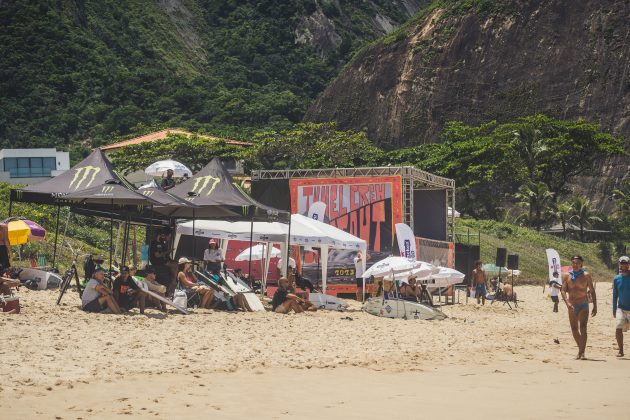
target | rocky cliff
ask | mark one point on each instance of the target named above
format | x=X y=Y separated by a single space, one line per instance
x=479 y=60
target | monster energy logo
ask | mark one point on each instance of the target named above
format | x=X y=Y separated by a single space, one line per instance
x=82 y=174
x=19 y=194
x=107 y=189
x=148 y=193
x=245 y=210
x=204 y=182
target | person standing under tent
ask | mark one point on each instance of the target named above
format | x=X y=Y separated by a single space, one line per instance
x=212 y=257
x=168 y=182
x=621 y=301
x=292 y=266
x=165 y=270
x=479 y=283
x=358 y=274
x=577 y=284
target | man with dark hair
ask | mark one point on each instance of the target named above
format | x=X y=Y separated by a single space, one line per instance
x=621 y=301
x=126 y=291
x=168 y=182
x=578 y=284
x=165 y=269
x=479 y=282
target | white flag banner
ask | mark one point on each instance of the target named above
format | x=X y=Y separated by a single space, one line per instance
x=317 y=211
x=553 y=264
x=406 y=241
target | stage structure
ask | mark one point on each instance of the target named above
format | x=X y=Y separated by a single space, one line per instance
x=366 y=202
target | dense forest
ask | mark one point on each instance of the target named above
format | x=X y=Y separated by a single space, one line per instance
x=78 y=73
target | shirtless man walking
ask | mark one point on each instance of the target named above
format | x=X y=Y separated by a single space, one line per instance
x=577 y=284
x=479 y=283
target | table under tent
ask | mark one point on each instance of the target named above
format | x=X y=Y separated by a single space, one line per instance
x=302 y=231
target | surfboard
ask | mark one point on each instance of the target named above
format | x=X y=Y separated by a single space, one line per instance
x=252 y=300
x=45 y=279
x=322 y=301
x=145 y=288
x=401 y=309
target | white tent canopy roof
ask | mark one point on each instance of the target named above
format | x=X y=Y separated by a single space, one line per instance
x=304 y=231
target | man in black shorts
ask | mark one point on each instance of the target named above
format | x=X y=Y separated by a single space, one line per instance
x=96 y=297
x=127 y=293
x=284 y=302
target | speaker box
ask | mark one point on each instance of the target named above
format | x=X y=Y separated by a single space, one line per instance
x=512 y=262
x=501 y=255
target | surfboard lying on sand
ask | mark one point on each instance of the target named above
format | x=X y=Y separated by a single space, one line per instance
x=45 y=279
x=403 y=309
x=145 y=288
x=322 y=301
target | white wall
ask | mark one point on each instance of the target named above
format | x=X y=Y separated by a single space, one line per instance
x=62 y=158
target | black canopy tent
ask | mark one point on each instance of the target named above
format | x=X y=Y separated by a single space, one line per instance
x=213 y=186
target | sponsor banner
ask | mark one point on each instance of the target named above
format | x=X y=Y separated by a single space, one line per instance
x=440 y=253
x=553 y=265
x=317 y=211
x=367 y=207
x=406 y=241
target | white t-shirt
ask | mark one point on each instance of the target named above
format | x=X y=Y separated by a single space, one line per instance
x=90 y=293
x=554 y=289
x=358 y=268
x=292 y=263
x=212 y=255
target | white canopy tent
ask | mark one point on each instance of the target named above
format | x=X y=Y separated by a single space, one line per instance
x=304 y=232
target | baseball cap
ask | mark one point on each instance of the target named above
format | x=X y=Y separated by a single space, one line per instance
x=98 y=268
x=183 y=260
x=124 y=269
x=624 y=259
x=212 y=241
x=577 y=257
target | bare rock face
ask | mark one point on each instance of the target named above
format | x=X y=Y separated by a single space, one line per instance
x=564 y=58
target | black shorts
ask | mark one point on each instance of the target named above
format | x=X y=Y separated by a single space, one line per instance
x=359 y=281
x=93 y=306
x=555 y=299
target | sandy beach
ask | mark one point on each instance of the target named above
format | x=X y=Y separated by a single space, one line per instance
x=59 y=362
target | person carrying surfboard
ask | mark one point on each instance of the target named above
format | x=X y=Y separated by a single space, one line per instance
x=621 y=301
x=577 y=284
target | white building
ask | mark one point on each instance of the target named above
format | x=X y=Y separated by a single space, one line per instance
x=29 y=166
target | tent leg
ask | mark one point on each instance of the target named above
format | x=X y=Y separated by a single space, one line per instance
x=286 y=263
x=194 y=245
x=251 y=239
x=56 y=235
x=10 y=205
x=111 y=237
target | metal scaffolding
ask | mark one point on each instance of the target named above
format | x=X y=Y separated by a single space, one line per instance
x=412 y=179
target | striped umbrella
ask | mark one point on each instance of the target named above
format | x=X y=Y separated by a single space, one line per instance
x=22 y=231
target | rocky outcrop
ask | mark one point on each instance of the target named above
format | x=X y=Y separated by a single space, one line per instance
x=564 y=58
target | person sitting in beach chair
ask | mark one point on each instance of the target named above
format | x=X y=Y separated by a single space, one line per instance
x=284 y=302
x=127 y=293
x=96 y=297
x=188 y=280
x=409 y=290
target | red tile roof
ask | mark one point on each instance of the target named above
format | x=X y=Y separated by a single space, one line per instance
x=161 y=135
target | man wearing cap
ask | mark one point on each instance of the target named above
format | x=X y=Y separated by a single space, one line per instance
x=578 y=284
x=212 y=257
x=96 y=296
x=621 y=301
x=126 y=291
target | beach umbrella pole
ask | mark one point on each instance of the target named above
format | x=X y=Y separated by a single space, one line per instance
x=56 y=235
x=111 y=237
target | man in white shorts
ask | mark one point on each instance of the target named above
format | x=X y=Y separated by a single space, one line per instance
x=621 y=301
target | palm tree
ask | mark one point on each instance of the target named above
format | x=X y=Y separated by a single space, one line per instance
x=584 y=215
x=538 y=200
x=562 y=213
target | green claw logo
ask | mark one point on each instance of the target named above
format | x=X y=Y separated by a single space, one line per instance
x=107 y=189
x=148 y=193
x=204 y=182
x=82 y=174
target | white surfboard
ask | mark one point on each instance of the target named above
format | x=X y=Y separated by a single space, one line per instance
x=45 y=279
x=145 y=288
x=402 y=309
x=323 y=301
x=238 y=286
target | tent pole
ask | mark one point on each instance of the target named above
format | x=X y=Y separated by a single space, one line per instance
x=111 y=237
x=56 y=235
x=150 y=238
x=10 y=204
x=125 y=247
x=194 y=240
x=251 y=238
x=286 y=263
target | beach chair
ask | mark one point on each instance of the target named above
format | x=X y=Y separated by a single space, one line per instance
x=192 y=298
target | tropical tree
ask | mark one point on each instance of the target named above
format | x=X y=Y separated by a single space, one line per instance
x=536 y=198
x=584 y=215
x=562 y=212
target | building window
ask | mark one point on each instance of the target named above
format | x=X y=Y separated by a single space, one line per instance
x=34 y=167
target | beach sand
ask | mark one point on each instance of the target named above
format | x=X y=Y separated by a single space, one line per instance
x=491 y=362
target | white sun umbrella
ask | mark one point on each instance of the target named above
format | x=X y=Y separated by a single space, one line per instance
x=423 y=269
x=160 y=167
x=258 y=252
x=443 y=278
x=389 y=265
